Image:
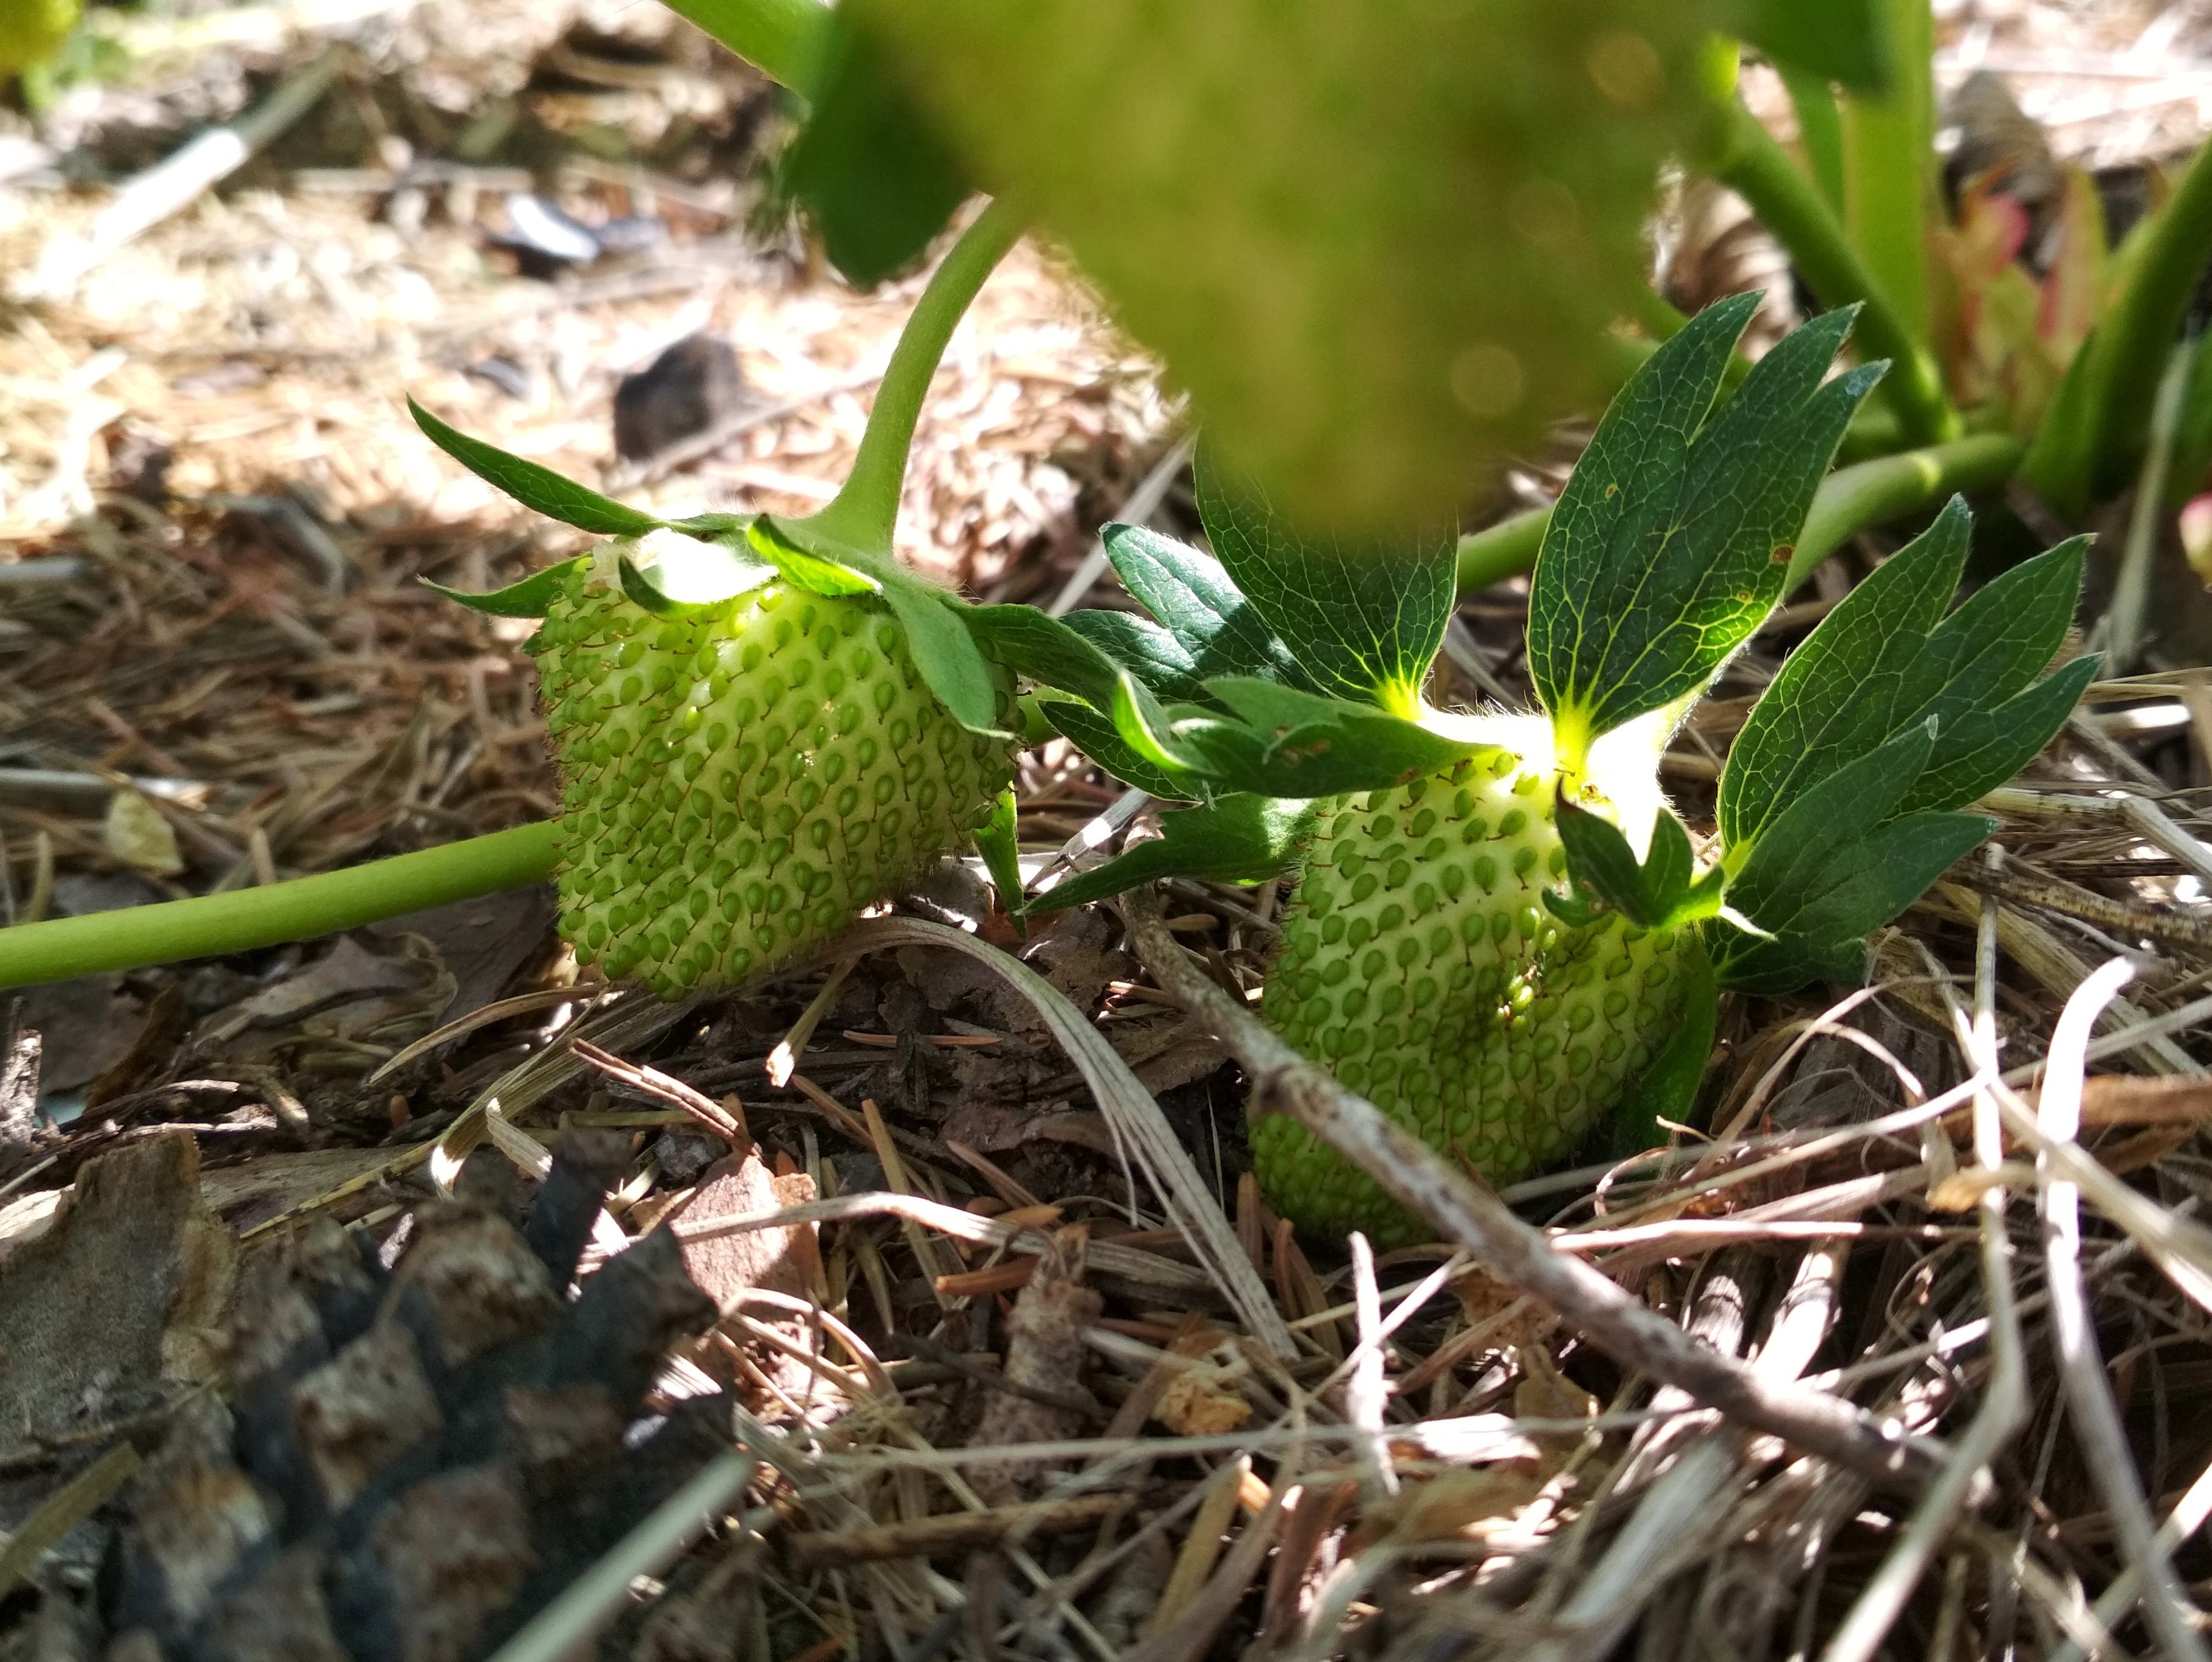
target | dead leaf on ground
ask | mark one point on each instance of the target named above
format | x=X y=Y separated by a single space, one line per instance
x=1044 y=1353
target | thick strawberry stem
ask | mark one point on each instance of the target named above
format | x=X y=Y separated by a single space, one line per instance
x=245 y=920
x=864 y=510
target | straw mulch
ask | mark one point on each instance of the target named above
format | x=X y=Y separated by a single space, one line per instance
x=1005 y=1397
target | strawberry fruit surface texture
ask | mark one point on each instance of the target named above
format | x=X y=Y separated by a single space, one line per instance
x=737 y=781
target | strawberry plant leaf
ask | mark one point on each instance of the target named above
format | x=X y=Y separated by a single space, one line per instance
x=1194 y=599
x=1145 y=727
x=527 y=598
x=1673 y=538
x=1094 y=735
x=1887 y=659
x=1364 y=620
x=1239 y=839
x=1046 y=649
x=533 y=485
x=879 y=183
x=1146 y=650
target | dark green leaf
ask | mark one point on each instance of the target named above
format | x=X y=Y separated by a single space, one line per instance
x=878 y=182
x=1380 y=244
x=1669 y=1089
x=535 y=486
x=1887 y=661
x=997 y=841
x=1861 y=887
x=1093 y=734
x=1146 y=650
x=1841 y=40
x=1363 y=621
x=1045 y=649
x=1193 y=598
x=1672 y=540
x=1239 y=839
x=528 y=598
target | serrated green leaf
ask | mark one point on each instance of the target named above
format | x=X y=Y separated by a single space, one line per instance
x=1669 y=1089
x=1844 y=40
x=1363 y=621
x=1093 y=734
x=1146 y=650
x=1861 y=886
x=815 y=572
x=997 y=840
x=1195 y=599
x=1046 y=649
x=1887 y=659
x=534 y=485
x=530 y=597
x=878 y=182
x=1673 y=538
x=947 y=655
x=1239 y=839
x=1793 y=863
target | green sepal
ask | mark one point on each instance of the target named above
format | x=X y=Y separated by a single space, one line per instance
x=1146 y=650
x=1664 y=892
x=688 y=578
x=530 y=597
x=1364 y=620
x=1673 y=538
x=808 y=568
x=1280 y=742
x=946 y=654
x=534 y=485
x=1887 y=659
x=997 y=840
x=1669 y=1089
x=1142 y=724
x=1196 y=602
x=1094 y=735
x=1238 y=838
x=1046 y=649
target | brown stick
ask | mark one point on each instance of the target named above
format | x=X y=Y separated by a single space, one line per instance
x=1284 y=1081
x=951 y=1532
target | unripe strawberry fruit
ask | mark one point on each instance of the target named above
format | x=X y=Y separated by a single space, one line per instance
x=1420 y=965
x=738 y=780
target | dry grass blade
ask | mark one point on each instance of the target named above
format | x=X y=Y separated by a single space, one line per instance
x=1284 y=1081
x=1135 y=1117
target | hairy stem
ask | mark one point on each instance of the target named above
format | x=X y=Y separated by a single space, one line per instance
x=244 y=920
x=1791 y=206
x=1849 y=501
x=864 y=510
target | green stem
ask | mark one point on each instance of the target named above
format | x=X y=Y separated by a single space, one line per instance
x=1820 y=131
x=1849 y=501
x=1853 y=498
x=865 y=511
x=244 y=920
x=1887 y=176
x=2089 y=458
x=786 y=40
x=1791 y=206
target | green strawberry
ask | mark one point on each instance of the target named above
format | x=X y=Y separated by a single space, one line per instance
x=738 y=780
x=1420 y=964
